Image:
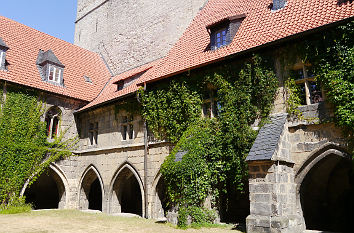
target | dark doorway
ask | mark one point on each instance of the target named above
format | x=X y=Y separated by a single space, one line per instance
x=91 y=191
x=46 y=192
x=161 y=199
x=127 y=192
x=327 y=195
x=95 y=196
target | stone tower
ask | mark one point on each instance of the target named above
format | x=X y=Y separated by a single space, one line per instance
x=129 y=33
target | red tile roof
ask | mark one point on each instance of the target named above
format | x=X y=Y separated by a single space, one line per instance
x=24 y=44
x=110 y=92
x=261 y=26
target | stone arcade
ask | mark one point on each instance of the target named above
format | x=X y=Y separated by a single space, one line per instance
x=298 y=169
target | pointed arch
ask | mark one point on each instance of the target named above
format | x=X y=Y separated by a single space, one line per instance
x=91 y=189
x=159 y=201
x=53 y=183
x=324 y=185
x=126 y=193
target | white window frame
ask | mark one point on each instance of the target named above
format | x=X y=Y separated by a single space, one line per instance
x=2 y=63
x=56 y=74
x=93 y=133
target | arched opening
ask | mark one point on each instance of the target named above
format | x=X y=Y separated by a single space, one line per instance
x=47 y=192
x=160 y=200
x=326 y=194
x=52 y=118
x=91 y=190
x=127 y=193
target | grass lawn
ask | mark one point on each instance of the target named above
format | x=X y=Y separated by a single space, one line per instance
x=76 y=221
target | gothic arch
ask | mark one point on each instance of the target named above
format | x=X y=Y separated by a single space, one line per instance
x=323 y=185
x=54 y=184
x=159 y=201
x=91 y=191
x=126 y=191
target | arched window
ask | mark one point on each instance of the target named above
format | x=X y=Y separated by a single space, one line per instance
x=52 y=119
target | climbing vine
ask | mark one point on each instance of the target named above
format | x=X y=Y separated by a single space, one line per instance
x=24 y=150
x=331 y=54
x=211 y=151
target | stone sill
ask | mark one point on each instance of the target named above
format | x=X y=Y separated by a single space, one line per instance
x=313 y=114
x=97 y=149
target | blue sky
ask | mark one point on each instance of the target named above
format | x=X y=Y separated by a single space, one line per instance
x=54 y=17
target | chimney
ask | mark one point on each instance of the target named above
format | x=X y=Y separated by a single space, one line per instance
x=278 y=4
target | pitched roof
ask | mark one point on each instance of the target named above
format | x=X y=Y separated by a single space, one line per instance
x=110 y=92
x=261 y=26
x=267 y=139
x=24 y=45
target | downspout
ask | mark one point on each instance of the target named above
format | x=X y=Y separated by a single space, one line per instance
x=146 y=145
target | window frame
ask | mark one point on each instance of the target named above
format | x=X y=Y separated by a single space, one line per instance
x=306 y=81
x=49 y=119
x=93 y=133
x=127 y=128
x=212 y=101
x=57 y=74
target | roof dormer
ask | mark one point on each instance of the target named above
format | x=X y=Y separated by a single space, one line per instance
x=223 y=32
x=50 y=68
x=3 y=49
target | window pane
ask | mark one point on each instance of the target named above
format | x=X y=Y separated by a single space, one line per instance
x=51 y=73
x=131 y=131
x=302 y=93
x=47 y=121
x=55 y=127
x=206 y=109
x=91 y=138
x=315 y=92
x=218 y=34
x=223 y=33
x=57 y=75
x=124 y=132
x=124 y=119
x=296 y=74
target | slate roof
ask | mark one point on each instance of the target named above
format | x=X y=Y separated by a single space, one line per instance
x=260 y=27
x=110 y=93
x=24 y=45
x=48 y=56
x=3 y=44
x=267 y=140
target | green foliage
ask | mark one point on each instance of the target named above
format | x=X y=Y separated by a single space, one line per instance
x=214 y=149
x=24 y=150
x=16 y=205
x=294 y=98
x=199 y=217
x=332 y=56
x=170 y=110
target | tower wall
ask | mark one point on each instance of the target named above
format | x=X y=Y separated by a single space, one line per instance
x=131 y=33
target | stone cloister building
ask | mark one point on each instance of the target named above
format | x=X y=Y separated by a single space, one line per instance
x=298 y=168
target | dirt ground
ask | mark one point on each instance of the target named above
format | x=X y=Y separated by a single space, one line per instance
x=74 y=221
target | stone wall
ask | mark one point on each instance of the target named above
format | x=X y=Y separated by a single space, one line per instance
x=132 y=33
x=107 y=159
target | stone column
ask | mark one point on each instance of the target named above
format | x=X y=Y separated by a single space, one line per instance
x=273 y=198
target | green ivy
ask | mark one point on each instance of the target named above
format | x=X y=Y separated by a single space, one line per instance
x=24 y=150
x=214 y=149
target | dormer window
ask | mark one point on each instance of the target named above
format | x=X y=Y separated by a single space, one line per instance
x=3 y=49
x=120 y=85
x=223 y=32
x=50 y=68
